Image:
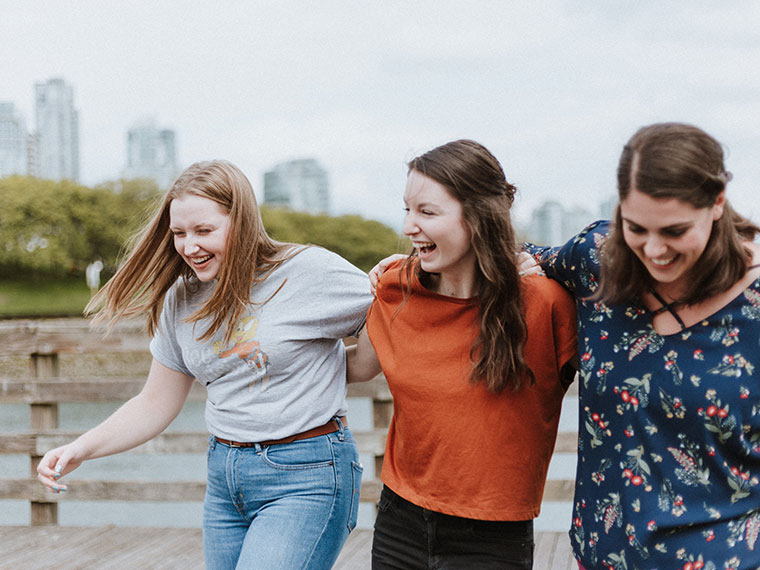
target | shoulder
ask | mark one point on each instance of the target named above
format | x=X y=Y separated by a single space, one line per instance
x=315 y=255
x=541 y=292
x=396 y=275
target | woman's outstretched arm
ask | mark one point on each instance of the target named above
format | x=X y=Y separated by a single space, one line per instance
x=138 y=420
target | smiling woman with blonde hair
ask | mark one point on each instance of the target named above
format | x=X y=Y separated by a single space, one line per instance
x=260 y=325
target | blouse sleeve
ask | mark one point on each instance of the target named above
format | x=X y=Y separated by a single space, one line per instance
x=577 y=263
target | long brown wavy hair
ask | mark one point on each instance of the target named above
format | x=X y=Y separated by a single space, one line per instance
x=675 y=160
x=474 y=177
x=153 y=265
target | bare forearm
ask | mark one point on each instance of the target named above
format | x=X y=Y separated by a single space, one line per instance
x=136 y=422
x=141 y=418
x=361 y=361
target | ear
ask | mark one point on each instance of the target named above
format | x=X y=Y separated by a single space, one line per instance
x=717 y=208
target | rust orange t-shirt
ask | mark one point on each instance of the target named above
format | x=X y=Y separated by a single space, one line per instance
x=453 y=446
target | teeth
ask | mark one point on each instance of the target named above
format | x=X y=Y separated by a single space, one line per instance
x=663 y=261
x=201 y=260
x=422 y=245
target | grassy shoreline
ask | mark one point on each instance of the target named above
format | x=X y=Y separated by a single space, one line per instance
x=59 y=297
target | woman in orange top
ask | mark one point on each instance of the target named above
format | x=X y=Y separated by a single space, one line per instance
x=478 y=360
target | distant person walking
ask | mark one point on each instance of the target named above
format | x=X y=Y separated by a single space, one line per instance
x=259 y=323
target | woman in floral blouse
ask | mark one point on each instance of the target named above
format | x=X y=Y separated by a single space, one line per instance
x=668 y=300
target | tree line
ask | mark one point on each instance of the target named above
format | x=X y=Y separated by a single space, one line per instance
x=55 y=229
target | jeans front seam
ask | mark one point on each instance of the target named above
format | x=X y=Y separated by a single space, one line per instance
x=336 y=489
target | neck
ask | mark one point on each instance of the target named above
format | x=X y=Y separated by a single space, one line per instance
x=461 y=287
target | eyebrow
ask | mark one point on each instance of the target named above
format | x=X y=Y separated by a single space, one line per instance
x=677 y=226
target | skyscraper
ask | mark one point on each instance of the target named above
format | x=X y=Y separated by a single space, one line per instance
x=13 y=141
x=301 y=185
x=151 y=153
x=57 y=134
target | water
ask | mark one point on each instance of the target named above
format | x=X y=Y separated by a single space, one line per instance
x=190 y=467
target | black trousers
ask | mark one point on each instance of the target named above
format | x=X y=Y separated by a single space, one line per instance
x=408 y=537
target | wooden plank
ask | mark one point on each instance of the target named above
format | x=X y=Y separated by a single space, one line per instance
x=543 y=552
x=559 y=490
x=567 y=442
x=563 y=555
x=149 y=491
x=48 y=336
x=90 y=490
x=372 y=442
x=69 y=390
x=357 y=552
x=109 y=547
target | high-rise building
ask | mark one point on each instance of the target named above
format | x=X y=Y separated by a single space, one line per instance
x=151 y=153
x=547 y=224
x=13 y=141
x=57 y=133
x=552 y=224
x=300 y=185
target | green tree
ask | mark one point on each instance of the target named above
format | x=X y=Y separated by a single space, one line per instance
x=362 y=242
x=57 y=228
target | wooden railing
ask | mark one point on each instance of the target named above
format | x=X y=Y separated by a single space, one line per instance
x=44 y=363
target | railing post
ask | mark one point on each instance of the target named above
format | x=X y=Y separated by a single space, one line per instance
x=43 y=417
x=382 y=410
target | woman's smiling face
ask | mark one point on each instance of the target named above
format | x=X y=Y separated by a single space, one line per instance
x=668 y=236
x=435 y=224
x=200 y=231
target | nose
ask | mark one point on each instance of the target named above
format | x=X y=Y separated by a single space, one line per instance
x=654 y=246
x=190 y=246
x=410 y=225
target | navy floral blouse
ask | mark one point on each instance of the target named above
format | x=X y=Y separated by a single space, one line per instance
x=669 y=429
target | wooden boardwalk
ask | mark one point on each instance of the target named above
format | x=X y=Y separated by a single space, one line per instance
x=130 y=548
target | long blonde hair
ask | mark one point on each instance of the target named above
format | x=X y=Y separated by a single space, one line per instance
x=153 y=265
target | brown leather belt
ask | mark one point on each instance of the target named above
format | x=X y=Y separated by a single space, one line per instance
x=329 y=427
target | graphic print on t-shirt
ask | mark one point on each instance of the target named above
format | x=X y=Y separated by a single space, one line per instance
x=247 y=349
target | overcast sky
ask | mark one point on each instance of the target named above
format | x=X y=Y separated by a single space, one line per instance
x=553 y=89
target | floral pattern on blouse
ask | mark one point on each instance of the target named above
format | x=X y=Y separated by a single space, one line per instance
x=668 y=470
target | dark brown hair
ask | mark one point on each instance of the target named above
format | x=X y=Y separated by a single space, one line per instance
x=153 y=265
x=475 y=178
x=674 y=160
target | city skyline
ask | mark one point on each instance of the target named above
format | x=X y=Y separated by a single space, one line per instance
x=553 y=90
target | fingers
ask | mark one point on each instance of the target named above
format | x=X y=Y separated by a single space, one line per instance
x=51 y=468
x=526 y=265
x=377 y=270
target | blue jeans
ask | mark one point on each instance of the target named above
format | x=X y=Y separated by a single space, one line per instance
x=408 y=537
x=281 y=507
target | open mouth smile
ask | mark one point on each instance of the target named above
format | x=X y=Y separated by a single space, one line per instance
x=663 y=262
x=200 y=260
x=424 y=247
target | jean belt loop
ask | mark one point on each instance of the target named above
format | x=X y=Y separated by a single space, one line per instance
x=258 y=449
x=340 y=428
x=212 y=442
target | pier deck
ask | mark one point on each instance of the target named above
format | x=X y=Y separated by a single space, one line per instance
x=110 y=547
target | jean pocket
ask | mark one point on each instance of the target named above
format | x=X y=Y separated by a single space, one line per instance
x=298 y=456
x=356 y=488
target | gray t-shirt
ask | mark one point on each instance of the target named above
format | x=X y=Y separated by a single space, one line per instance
x=284 y=369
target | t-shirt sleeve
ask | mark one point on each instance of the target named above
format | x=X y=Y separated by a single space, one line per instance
x=164 y=346
x=344 y=295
